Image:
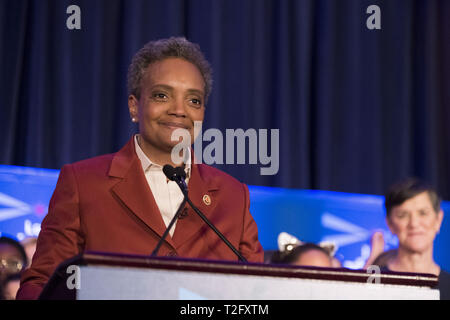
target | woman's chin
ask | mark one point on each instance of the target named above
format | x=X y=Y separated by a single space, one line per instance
x=416 y=248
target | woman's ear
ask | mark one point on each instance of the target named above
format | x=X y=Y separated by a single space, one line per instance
x=133 y=108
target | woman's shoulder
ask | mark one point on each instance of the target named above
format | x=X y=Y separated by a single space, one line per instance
x=384 y=268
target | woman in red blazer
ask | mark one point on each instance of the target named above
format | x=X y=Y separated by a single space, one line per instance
x=106 y=203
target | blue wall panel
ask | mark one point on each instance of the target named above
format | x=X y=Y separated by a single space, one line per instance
x=311 y=215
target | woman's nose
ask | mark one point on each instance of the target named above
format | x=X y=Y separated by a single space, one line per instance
x=177 y=108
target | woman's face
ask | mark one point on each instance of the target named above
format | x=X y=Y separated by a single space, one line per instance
x=172 y=97
x=11 y=260
x=415 y=223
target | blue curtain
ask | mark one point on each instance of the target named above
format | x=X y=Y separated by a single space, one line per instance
x=357 y=109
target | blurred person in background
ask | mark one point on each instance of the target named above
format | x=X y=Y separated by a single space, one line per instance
x=385 y=258
x=29 y=244
x=295 y=252
x=10 y=286
x=376 y=248
x=13 y=260
x=414 y=215
x=378 y=256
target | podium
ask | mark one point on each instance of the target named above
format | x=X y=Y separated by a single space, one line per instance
x=94 y=275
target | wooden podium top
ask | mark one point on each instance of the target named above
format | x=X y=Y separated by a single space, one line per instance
x=258 y=269
x=129 y=266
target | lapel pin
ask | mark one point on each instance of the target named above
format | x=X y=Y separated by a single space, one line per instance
x=206 y=199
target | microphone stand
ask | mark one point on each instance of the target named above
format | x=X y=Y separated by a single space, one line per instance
x=221 y=236
x=177 y=176
x=164 y=236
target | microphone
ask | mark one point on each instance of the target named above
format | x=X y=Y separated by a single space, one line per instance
x=178 y=175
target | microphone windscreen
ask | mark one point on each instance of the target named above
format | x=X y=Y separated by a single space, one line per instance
x=180 y=172
x=169 y=171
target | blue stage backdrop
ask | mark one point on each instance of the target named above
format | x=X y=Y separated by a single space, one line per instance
x=311 y=215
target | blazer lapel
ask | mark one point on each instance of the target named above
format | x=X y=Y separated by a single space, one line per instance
x=200 y=189
x=133 y=190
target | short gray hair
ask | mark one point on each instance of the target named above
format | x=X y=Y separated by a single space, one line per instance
x=159 y=50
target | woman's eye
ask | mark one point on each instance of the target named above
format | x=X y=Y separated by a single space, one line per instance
x=400 y=215
x=159 y=95
x=423 y=213
x=196 y=101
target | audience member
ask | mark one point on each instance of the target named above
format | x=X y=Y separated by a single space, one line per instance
x=376 y=248
x=29 y=244
x=293 y=251
x=385 y=258
x=414 y=215
x=10 y=286
x=13 y=260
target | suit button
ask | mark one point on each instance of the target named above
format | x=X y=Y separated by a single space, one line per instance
x=171 y=254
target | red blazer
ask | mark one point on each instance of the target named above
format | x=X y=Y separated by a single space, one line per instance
x=105 y=204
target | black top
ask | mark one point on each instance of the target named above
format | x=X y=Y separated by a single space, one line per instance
x=443 y=284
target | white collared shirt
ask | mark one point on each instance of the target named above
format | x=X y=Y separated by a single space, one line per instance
x=167 y=194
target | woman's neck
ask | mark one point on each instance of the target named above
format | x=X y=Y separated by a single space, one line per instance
x=155 y=155
x=420 y=262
